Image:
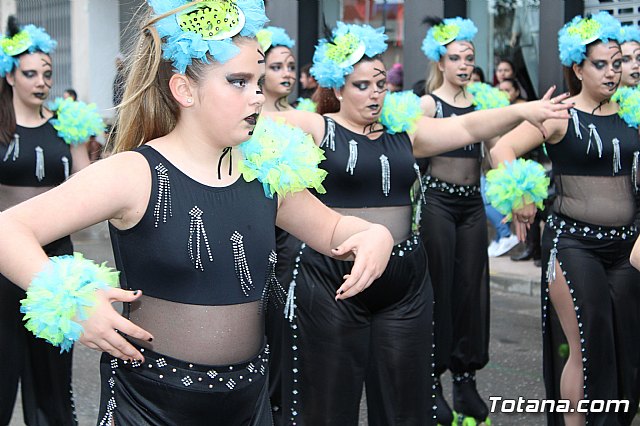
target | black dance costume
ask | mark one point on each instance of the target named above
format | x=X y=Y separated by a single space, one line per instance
x=380 y=337
x=35 y=157
x=204 y=258
x=454 y=231
x=591 y=233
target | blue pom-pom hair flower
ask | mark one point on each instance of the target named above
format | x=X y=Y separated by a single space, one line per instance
x=198 y=29
x=574 y=37
x=435 y=43
x=629 y=33
x=334 y=59
x=269 y=37
x=29 y=39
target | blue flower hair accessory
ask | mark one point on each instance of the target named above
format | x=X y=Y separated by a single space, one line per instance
x=574 y=37
x=487 y=97
x=629 y=33
x=628 y=98
x=30 y=38
x=451 y=29
x=193 y=29
x=334 y=58
x=274 y=36
x=76 y=121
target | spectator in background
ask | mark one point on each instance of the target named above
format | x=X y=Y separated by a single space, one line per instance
x=511 y=88
x=477 y=75
x=394 y=78
x=504 y=70
x=308 y=83
x=70 y=93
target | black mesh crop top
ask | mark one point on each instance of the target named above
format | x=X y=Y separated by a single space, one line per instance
x=364 y=172
x=198 y=244
x=595 y=145
x=444 y=110
x=36 y=156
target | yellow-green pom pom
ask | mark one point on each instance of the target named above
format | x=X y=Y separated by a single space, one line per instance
x=283 y=158
x=401 y=112
x=76 y=121
x=487 y=97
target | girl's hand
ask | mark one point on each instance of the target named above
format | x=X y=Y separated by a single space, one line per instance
x=523 y=218
x=101 y=328
x=371 y=249
x=537 y=112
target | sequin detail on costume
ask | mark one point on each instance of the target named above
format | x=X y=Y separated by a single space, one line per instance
x=14 y=147
x=65 y=165
x=576 y=122
x=329 y=139
x=39 y=163
x=197 y=234
x=617 y=165
x=386 y=175
x=634 y=170
x=416 y=168
x=593 y=131
x=439 y=113
x=353 y=156
x=163 y=202
x=240 y=264
x=273 y=293
x=451 y=188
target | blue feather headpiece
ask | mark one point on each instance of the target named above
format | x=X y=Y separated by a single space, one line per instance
x=194 y=29
x=334 y=59
x=451 y=29
x=629 y=33
x=574 y=37
x=30 y=39
x=274 y=36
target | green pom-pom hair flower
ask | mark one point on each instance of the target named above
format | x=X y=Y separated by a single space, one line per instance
x=63 y=293
x=628 y=98
x=30 y=38
x=516 y=183
x=574 y=37
x=269 y=37
x=401 y=112
x=283 y=158
x=305 y=104
x=443 y=33
x=76 y=121
x=487 y=97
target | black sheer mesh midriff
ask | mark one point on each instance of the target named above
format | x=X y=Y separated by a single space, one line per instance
x=600 y=200
x=397 y=219
x=456 y=170
x=13 y=195
x=211 y=335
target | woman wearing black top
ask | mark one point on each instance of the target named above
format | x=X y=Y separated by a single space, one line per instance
x=33 y=160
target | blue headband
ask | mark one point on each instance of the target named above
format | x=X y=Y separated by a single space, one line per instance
x=30 y=39
x=629 y=33
x=451 y=29
x=269 y=37
x=187 y=38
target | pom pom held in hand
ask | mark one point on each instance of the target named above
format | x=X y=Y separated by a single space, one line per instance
x=628 y=98
x=62 y=294
x=514 y=184
x=76 y=121
x=401 y=112
x=487 y=97
x=283 y=158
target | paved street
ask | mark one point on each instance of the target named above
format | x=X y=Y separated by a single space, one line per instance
x=514 y=370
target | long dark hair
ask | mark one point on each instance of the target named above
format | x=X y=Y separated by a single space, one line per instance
x=7 y=113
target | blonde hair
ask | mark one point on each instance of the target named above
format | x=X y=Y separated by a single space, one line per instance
x=435 y=77
x=148 y=109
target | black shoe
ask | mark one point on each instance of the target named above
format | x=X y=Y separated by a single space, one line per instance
x=444 y=414
x=466 y=401
x=527 y=254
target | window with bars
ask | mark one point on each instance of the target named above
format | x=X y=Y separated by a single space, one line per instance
x=627 y=12
x=55 y=17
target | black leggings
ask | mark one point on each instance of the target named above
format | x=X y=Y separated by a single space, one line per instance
x=381 y=338
x=454 y=231
x=44 y=373
x=606 y=295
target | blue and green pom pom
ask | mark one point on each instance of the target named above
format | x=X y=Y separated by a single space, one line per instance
x=76 y=121
x=516 y=183
x=487 y=97
x=305 y=104
x=401 y=112
x=628 y=98
x=63 y=293
x=283 y=158
x=451 y=29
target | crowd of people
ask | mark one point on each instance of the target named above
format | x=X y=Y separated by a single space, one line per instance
x=296 y=254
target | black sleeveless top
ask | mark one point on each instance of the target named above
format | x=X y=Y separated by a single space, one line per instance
x=198 y=244
x=443 y=110
x=364 y=172
x=36 y=156
x=595 y=145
